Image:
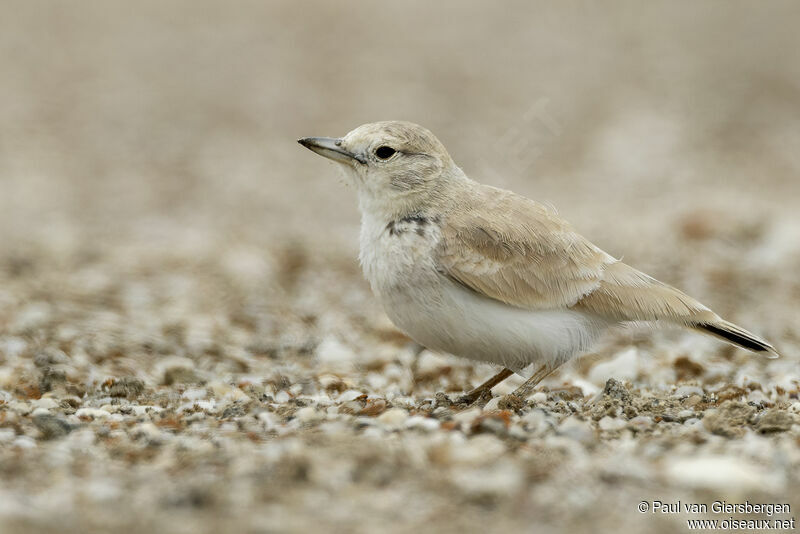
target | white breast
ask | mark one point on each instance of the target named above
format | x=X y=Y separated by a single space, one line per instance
x=443 y=315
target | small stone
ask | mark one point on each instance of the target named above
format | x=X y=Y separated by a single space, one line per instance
x=692 y=400
x=616 y=390
x=466 y=417
x=128 y=387
x=611 y=423
x=478 y=450
x=7 y=435
x=51 y=426
x=502 y=479
x=181 y=375
x=147 y=431
x=24 y=442
x=492 y=405
x=51 y=378
x=92 y=413
x=729 y=420
x=393 y=418
x=349 y=395
x=511 y=402
x=577 y=429
x=422 y=423
x=496 y=422
x=333 y=355
x=309 y=415
x=373 y=407
x=718 y=473
x=686 y=369
x=775 y=420
x=687 y=391
x=539 y=397
x=624 y=366
x=641 y=423
x=47 y=403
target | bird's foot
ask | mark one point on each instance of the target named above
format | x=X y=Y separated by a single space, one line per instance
x=475 y=397
x=511 y=402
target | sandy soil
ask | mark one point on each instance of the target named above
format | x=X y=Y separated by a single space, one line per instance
x=186 y=342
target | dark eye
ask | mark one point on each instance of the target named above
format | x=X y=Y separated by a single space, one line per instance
x=385 y=152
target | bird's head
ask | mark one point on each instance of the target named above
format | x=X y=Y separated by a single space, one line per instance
x=392 y=163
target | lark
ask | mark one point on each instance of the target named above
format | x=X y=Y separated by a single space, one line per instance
x=486 y=274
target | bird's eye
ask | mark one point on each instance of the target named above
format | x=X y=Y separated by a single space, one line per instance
x=385 y=152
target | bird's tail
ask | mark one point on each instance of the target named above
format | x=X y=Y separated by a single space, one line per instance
x=626 y=294
x=738 y=336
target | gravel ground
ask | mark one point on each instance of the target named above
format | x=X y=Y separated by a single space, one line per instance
x=186 y=341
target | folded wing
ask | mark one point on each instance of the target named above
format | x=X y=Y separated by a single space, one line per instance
x=514 y=250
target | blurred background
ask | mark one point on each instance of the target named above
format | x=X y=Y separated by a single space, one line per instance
x=154 y=201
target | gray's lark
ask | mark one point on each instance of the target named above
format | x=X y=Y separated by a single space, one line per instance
x=486 y=274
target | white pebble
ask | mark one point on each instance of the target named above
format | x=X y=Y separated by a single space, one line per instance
x=422 y=423
x=641 y=422
x=46 y=403
x=719 y=473
x=687 y=391
x=503 y=478
x=194 y=394
x=493 y=404
x=467 y=416
x=540 y=397
x=350 y=394
x=612 y=423
x=332 y=355
x=24 y=442
x=94 y=413
x=481 y=449
x=624 y=366
x=393 y=418
x=309 y=414
x=6 y=435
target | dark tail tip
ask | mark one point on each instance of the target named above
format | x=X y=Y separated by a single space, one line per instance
x=738 y=336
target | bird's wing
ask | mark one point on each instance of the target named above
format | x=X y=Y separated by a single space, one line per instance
x=514 y=250
x=517 y=251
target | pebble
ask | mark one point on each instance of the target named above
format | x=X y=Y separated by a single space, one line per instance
x=501 y=479
x=309 y=414
x=641 y=422
x=577 y=429
x=466 y=417
x=477 y=450
x=719 y=473
x=7 y=435
x=419 y=422
x=393 y=418
x=333 y=355
x=45 y=403
x=92 y=413
x=349 y=395
x=687 y=391
x=24 y=442
x=624 y=366
x=611 y=423
x=493 y=404
x=539 y=397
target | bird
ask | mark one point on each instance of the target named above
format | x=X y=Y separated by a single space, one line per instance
x=489 y=275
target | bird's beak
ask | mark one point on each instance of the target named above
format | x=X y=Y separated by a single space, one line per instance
x=330 y=148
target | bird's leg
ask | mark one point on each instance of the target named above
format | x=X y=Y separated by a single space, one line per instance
x=476 y=392
x=417 y=349
x=526 y=388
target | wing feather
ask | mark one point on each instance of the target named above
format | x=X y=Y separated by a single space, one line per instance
x=514 y=250
x=517 y=251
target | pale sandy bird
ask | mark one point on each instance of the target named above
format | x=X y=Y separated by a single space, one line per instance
x=487 y=274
